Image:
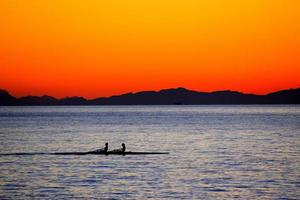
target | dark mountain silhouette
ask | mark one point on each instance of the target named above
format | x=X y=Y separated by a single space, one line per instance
x=180 y=96
x=48 y=100
x=72 y=101
x=37 y=100
x=6 y=99
x=290 y=96
x=177 y=96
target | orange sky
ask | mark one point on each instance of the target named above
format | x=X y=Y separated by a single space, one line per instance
x=98 y=48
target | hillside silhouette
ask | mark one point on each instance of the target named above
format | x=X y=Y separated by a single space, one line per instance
x=177 y=96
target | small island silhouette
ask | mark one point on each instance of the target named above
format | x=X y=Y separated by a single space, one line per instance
x=176 y=96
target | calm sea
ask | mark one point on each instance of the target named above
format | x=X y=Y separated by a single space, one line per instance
x=216 y=152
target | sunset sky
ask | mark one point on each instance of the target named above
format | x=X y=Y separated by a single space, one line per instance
x=95 y=48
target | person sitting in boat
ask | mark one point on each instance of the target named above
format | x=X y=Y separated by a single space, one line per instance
x=106 y=147
x=123 y=147
x=103 y=150
x=121 y=150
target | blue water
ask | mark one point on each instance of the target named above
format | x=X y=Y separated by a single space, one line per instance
x=216 y=152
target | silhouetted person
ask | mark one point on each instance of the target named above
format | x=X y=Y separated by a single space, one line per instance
x=123 y=148
x=106 y=147
x=103 y=150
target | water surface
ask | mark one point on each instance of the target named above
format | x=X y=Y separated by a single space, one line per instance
x=216 y=152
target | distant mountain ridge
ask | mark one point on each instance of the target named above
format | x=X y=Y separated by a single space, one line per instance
x=176 y=96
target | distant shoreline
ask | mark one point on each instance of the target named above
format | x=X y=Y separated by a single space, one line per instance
x=177 y=96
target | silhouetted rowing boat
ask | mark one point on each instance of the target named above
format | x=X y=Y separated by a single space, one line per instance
x=85 y=153
x=110 y=153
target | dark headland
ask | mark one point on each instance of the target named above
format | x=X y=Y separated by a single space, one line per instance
x=177 y=96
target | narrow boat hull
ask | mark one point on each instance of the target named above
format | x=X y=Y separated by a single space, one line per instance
x=84 y=153
x=110 y=153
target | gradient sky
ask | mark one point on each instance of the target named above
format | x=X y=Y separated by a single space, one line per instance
x=95 y=48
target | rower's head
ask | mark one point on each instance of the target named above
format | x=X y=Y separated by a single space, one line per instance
x=106 y=144
x=123 y=145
